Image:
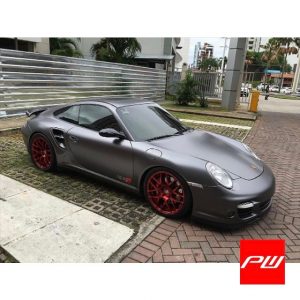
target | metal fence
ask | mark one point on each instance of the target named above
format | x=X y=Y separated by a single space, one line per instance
x=207 y=83
x=29 y=80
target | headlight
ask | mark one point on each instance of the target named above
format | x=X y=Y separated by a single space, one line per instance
x=219 y=174
x=250 y=151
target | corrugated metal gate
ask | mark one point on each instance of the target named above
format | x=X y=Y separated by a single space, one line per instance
x=30 y=80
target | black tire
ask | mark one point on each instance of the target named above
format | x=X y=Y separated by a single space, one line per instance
x=165 y=194
x=42 y=152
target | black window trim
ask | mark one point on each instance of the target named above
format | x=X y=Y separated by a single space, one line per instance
x=56 y=112
x=124 y=129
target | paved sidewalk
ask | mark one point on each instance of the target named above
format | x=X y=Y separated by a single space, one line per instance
x=38 y=227
x=275 y=137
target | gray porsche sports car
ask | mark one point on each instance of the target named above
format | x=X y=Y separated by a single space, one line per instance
x=141 y=146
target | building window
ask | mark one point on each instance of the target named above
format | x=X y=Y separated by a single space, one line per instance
x=15 y=44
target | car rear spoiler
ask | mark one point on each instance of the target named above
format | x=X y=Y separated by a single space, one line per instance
x=35 y=112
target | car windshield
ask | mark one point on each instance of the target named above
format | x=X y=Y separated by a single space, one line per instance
x=149 y=122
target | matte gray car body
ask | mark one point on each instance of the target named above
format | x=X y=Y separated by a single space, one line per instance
x=187 y=154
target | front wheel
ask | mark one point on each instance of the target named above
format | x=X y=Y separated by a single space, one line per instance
x=42 y=152
x=167 y=193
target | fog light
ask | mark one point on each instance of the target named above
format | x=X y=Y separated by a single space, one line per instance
x=245 y=205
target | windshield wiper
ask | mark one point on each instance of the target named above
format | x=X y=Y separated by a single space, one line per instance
x=181 y=131
x=159 y=137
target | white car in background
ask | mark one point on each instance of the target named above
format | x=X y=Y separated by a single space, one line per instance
x=274 y=88
x=298 y=92
x=286 y=90
x=262 y=86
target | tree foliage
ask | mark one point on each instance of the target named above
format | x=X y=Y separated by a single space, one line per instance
x=65 y=47
x=209 y=64
x=120 y=50
x=186 y=91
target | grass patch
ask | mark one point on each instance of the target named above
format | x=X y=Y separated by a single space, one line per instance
x=285 y=97
x=195 y=106
x=212 y=119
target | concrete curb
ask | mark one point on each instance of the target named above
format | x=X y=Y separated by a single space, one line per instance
x=8 y=131
x=136 y=239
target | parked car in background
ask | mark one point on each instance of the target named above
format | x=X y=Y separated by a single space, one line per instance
x=262 y=86
x=274 y=88
x=286 y=90
x=298 y=92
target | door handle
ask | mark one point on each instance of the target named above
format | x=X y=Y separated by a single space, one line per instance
x=74 y=139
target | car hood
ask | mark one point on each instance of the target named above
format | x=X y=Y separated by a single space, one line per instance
x=215 y=148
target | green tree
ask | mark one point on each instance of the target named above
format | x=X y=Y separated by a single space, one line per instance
x=64 y=47
x=120 y=50
x=186 y=91
x=209 y=64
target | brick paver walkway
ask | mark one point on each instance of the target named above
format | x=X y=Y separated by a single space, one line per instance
x=275 y=137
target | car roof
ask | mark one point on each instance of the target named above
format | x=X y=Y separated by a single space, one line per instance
x=117 y=102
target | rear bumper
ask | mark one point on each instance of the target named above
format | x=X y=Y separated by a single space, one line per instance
x=247 y=201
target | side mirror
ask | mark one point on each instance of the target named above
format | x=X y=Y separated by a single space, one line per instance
x=110 y=132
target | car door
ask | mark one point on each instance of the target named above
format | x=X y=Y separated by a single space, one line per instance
x=107 y=156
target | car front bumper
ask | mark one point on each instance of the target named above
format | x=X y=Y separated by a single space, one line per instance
x=244 y=203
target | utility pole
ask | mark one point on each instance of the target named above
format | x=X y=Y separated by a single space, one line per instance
x=296 y=76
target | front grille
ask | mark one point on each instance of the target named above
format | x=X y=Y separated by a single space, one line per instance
x=245 y=212
x=264 y=204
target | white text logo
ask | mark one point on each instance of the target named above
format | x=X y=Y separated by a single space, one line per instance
x=268 y=262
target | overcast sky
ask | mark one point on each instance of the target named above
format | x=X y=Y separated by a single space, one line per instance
x=218 y=44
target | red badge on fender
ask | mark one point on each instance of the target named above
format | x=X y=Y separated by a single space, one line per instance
x=262 y=261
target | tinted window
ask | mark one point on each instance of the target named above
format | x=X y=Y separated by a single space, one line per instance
x=97 y=117
x=69 y=114
x=147 y=122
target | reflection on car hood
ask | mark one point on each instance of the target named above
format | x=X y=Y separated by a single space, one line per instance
x=217 y=149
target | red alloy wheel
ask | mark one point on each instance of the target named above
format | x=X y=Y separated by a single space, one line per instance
x=165 y=193
x=41 y=153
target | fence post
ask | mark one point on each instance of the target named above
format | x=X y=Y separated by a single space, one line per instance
x=183 y=71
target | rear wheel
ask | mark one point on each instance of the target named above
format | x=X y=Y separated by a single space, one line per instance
x=42 y=152
x=167 y=193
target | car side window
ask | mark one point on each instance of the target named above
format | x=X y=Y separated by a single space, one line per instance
x=97 y=117
x=69 y=114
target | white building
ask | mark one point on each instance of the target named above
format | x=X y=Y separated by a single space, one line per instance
x=202 y=52
x=182 y=55
x=156 y=52
x=254 y=44
x=40 y=45
x=196 y=54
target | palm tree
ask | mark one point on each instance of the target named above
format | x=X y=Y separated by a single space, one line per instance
x=120 y=50
x=65 y=47
x=285 y=47
x=270 y=54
